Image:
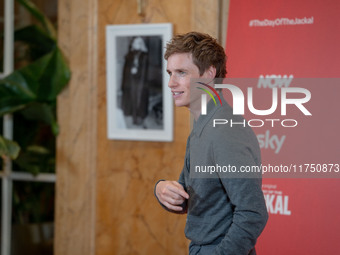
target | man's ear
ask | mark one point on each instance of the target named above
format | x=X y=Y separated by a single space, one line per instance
x=210 y=72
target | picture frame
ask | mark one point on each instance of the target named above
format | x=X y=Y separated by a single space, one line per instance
x=139 y=102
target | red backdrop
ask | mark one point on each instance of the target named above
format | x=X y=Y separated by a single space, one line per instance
x=297 y=39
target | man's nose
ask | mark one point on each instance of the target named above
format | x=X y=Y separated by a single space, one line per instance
x=172 y=82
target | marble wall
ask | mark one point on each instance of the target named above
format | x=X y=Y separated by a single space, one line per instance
x=105 y=202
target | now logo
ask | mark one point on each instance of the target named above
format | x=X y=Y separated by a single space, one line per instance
x=274 y=81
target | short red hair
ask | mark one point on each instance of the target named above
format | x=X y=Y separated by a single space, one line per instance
x=205 y=50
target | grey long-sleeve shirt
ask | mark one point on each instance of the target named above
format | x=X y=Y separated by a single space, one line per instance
x=225 y=209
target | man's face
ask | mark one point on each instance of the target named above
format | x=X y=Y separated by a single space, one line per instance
x=181 y=69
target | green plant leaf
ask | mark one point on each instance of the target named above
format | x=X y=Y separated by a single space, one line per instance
x=41 y=112
x=54 y=78
x=38 y=149
x=45 y=22
x=15 y=93
x=35 y=159
x=39 y=81
x=38 y=41
x=9 y=148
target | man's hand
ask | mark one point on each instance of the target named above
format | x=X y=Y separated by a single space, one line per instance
x=171 y=194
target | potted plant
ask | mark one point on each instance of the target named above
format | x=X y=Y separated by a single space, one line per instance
x=29 y=93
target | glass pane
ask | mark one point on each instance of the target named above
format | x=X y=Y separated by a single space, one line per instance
x=31 y=130
x=32 y=218
x=37 y=144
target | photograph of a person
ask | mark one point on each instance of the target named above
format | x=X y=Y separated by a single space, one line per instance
x=140 y=94
x=139 y=104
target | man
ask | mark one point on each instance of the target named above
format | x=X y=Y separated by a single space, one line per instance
x=225 y=214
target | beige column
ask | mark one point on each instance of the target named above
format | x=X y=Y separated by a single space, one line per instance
x=76 y=144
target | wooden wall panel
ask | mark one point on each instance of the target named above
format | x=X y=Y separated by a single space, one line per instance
x=105 y=201
x=205 y=16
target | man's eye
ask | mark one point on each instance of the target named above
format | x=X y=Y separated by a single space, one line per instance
x=181 y=73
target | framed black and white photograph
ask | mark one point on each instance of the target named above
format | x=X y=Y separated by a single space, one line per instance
x=139 y=102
